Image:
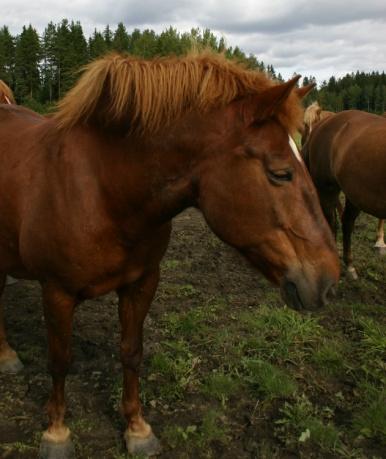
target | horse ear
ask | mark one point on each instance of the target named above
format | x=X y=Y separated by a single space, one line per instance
x=304 y=90
x=264 y=105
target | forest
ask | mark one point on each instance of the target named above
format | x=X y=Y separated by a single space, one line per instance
x=40 y=68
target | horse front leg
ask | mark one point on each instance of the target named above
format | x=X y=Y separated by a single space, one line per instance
x=134 y=303
x=349 y=216
x=58 y=312
x=9 y=361
x=380 y=242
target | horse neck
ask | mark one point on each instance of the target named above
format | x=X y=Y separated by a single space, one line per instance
x=159 y=174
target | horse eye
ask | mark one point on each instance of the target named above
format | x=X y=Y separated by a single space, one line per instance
x=282 y=175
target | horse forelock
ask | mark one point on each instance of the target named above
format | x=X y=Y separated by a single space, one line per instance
x=145 y=95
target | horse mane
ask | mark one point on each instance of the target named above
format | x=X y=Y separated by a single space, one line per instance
x=314 y=113
x=6 y=91
x=142 y=96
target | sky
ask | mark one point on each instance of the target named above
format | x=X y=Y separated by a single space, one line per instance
x=319 y=38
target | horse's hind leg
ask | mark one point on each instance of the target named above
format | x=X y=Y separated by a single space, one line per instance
x=58 y=312
x=350 y=214
x=134 y=303
x=380 y=243
x=9 y=361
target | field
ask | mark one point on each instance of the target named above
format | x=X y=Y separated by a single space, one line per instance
x=228 y=371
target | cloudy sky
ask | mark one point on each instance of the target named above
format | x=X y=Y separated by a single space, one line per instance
x=310 y=37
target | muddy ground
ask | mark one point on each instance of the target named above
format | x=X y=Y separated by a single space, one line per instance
x=197 y=271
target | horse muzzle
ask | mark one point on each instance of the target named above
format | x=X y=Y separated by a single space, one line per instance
x=301 y=292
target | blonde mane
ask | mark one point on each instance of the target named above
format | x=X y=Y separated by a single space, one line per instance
x=6 y=91
x=142 y=96
x=314 y=113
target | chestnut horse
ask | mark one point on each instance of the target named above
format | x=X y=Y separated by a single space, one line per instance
x=87 y=198
x=347 y=152
x=313 y=115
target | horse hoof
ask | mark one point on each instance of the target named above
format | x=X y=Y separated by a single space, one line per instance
x=56 y=450
x=381 y=249
x=10 y=280
x=146 y=447
x=352 y=273
x=11 y=366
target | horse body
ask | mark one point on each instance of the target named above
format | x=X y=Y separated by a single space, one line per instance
x=348 y=152
x=91 y=249
x=86 y=207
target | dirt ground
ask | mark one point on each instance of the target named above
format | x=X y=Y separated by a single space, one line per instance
x=197 y=269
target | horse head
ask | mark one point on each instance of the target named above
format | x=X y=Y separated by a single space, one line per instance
x=256 y=195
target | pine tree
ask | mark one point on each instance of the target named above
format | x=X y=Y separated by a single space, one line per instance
x=49 y=69
x=7 y=56
x=108 y=38
x=169 y=42
x=27 y=58
x=63 y=64
x=97 y=45
x=120 y=41
x=146 y=44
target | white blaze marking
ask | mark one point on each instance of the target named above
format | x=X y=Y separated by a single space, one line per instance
x=294 y=148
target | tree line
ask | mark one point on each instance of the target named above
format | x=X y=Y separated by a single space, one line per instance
x=360 y=90
x=41 y=68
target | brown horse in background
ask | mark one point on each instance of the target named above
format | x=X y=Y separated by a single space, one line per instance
x=87 y=198
x=347 y=152
x=312 y=116
x=6 y=95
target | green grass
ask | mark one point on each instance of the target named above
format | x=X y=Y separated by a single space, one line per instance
x=221 y=386
x=174 y=370
x=198 y=437
x=267 y=380
x=301 y=422
x=329 y=357
x=279 y=335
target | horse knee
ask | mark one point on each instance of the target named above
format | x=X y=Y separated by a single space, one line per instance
x=131 y=359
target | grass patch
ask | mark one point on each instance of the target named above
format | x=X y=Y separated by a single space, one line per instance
x=280 y=334
x=370 y=419
x=301 y=422
x=329 y=357
x=211 y=429
x=266 y=379
x=174 y=370
x=221 y=386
